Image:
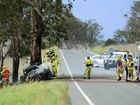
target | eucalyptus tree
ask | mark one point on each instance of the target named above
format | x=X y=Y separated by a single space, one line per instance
x=12 y=18
x=132 y=30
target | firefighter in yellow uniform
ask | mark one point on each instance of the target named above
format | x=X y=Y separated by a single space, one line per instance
x=89 y=63
x=119 y=70
x=125 y=63
x=55 y=62
x=130 y=67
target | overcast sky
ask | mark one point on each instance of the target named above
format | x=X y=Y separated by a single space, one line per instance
x=108 y=13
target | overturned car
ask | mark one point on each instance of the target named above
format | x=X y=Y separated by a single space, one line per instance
x=36 y=72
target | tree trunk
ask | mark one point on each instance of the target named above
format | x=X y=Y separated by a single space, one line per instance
x=37 y=26
x=16 y=57
x=1 y=56
x=2 y=62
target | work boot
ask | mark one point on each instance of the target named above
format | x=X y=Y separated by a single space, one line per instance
x=119 y=78
x=89 y=77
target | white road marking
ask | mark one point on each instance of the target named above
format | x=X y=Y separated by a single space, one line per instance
x=76 y=84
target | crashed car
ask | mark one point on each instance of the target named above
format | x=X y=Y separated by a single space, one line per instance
x=0 y=81
x=36 y=72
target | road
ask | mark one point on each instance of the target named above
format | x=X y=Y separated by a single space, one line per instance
x=75 y=60
x=95 y=91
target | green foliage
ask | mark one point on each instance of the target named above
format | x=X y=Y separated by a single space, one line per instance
x=82 y=33
x=25 y=51
x=41 y=93
x=16 y=17
x=132 y=30
x=120 y=35
x=93 y=33
x=55 y=14
x=110 y=42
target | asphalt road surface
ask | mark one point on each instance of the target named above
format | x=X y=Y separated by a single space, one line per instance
x=100 y=90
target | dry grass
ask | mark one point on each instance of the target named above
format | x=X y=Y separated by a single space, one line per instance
x=128 y=47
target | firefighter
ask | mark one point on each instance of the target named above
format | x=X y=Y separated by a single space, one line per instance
x=54 y=62
x=89 y=63
x=57 y=59
x=130 y=67
x=5 y=75
x=52 y=53
x=119 y=70
x=126 y=66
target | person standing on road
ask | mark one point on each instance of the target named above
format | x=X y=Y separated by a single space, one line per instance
x=89 y=63
x=136 y=64
x=126 y=66
x=119 y=70
x=130 y=67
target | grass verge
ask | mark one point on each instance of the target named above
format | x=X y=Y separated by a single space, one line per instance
x=38 y=93
x=128 y=47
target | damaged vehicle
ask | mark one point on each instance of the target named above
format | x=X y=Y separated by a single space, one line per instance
x=36 y=72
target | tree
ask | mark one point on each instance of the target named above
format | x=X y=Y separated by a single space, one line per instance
x=81 y=33
x=37 y=26
x=120 y=35
x=12 y=17
x=48 y=20
x=4 y=49
x=110 y=42
x=93 y=33
x=28 y=21
x=131 y=32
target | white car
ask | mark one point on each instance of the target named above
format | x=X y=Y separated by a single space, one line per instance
x=98 y=60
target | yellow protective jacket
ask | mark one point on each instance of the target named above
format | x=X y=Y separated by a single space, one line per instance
x=88 y=62
x=130 y=64
x=119 y=63
x=55 y=64
x=125 y=62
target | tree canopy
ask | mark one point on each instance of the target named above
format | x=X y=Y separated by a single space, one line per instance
x=131 y=32
x=28 y=24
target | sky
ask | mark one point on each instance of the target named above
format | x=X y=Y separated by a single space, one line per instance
x=108 y=13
